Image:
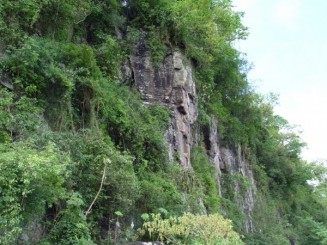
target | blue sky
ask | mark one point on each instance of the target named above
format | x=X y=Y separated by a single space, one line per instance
x=288 y=48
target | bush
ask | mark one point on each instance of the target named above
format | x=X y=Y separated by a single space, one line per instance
x=205 y=171
x=191 y=229
x=19 y=117
x=71 y=226
x=31 y=180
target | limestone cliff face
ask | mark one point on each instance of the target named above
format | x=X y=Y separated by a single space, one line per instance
x=171 y=83
x=231 y=161
x=234 y=163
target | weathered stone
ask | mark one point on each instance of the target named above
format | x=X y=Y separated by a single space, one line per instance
x=235 y=162
x=126 y=72
x=6 y=82
x=178 y=62
x=32 y=232
x=169 y=83
x=231 y=160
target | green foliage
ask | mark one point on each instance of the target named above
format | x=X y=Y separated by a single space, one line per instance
x=206 y=172
x=16 y=18
x=51 y=18
x=233 y=212
x=31 y=179
x=131 y=125
x=320 y=190
x=191 y=229
x=205 y=28
x=119 y=214
x=133 y=36
x=156 y=45
x=59 y=17
x=34 y=65
x=292 y=213
x=71 y=226
x=64 y=111
x=5 y=103
x=311 y=231
x=236 y=185
x=169 y=191
x=21 y=61
x=159 y=193
x=19 y=117
x=88 y=150
x=123 y=185
x=97 y=20
x=109 y=57
x=271 y=228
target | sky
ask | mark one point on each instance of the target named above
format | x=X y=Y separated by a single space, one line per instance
x=287 y=45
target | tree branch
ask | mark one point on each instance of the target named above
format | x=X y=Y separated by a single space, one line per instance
x=105 y=161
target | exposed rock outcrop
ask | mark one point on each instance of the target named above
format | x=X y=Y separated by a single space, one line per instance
x=169 y=83
x=6 y=82
x=33 y=232
x=231 y=161
x=237 y=165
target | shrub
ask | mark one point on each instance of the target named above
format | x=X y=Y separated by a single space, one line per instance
x=191 y=229
x=31 y=179
x=71 y=226
x=205 y=171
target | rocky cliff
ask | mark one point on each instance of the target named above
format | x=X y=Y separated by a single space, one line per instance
x=171 y=83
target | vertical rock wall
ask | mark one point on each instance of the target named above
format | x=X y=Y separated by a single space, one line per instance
x=231 y=160
x=170 y=83
x=235 y=163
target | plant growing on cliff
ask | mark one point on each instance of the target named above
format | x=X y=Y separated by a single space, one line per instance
x=31 y=180
x=206 y=173
x=63 y=109
x=191 y=229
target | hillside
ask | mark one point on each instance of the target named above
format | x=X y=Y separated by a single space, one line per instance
x=133 y=120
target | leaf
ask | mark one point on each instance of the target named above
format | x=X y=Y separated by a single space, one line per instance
x=119 y=214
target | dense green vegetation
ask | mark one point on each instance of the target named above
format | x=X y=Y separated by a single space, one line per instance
x=82 y=157
x=192 y=229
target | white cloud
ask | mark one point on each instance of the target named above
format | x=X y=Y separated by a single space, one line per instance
x=286 y=13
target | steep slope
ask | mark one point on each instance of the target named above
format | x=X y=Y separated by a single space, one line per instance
x=171 y=83
x=118 y=118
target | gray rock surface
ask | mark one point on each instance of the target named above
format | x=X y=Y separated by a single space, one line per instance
x=6 y=82
x=32 y=232
x=234 y=162
x=170 y=83
x=231 y=160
